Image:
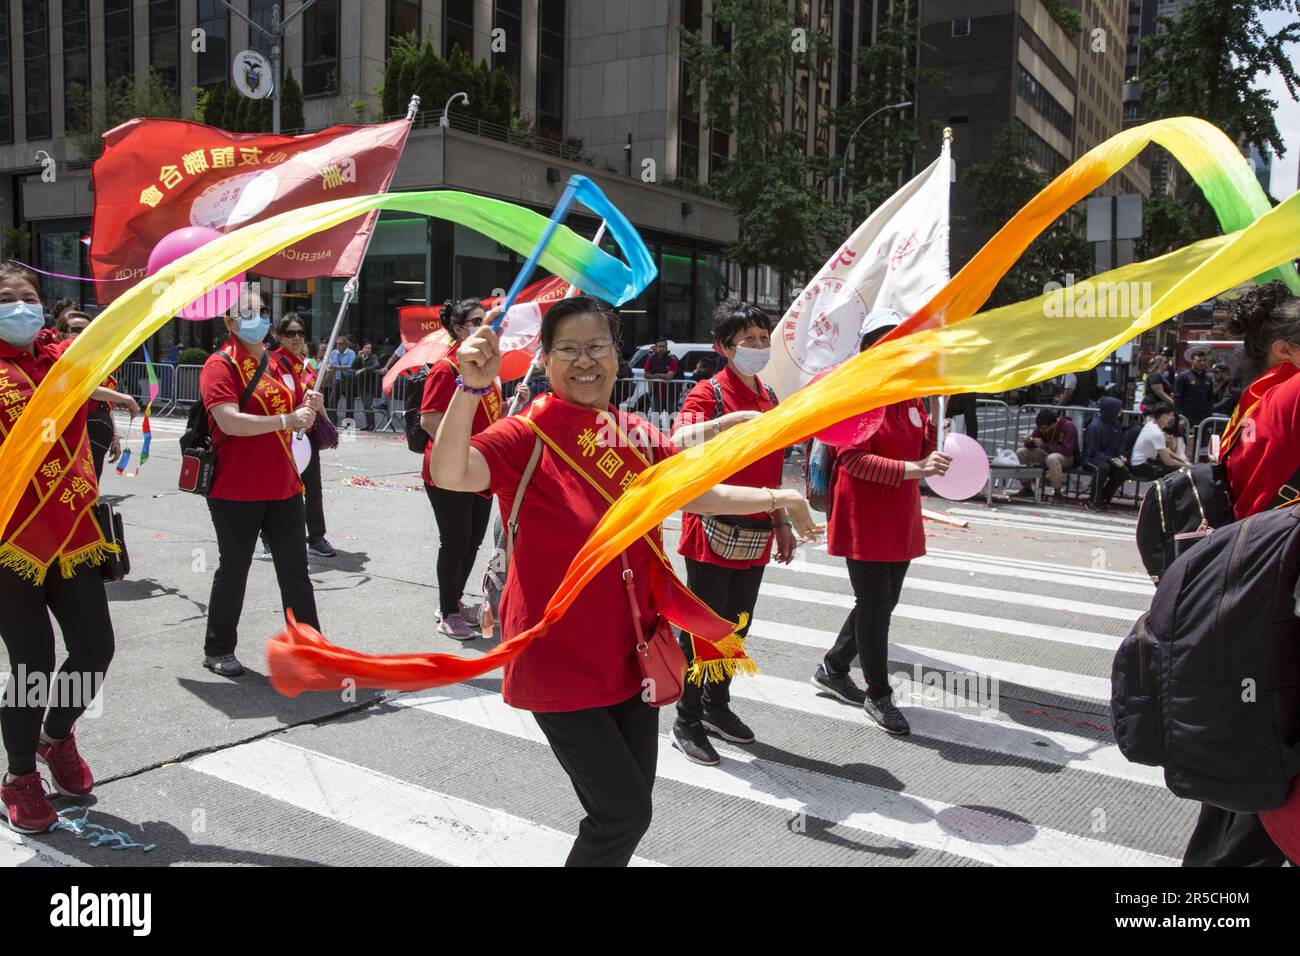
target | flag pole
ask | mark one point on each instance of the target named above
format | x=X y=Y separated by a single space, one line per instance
x=940 y=430
x=536 y=363
x=350 y=288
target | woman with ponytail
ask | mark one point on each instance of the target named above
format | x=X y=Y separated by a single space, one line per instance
x=1261 y=455
x=462 y=516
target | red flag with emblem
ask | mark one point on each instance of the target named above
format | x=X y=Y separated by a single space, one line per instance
x=159 y=175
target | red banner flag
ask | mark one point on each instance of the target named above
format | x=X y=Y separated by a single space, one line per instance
x=417 y=322
x=159 y=175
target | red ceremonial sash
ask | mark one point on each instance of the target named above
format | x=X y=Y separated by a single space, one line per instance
x=271 y=394
x=300 y=658
x=598 y=446
x=1249 y=401
x=53 y=520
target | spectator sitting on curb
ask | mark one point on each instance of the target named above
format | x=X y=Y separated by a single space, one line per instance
x=1054 y=443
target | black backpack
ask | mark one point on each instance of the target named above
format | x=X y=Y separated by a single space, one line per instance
x=1207 y=684
x=1179 y=510
x=417 y=439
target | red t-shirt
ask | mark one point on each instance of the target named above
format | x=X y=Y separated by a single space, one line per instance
x=250 y=467
x=439 y=387
x=764 y=473
x=587 y=659
x=1267 y=451
x=875 y=514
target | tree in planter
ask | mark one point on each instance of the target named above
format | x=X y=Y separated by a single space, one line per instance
x=884 y=149
x=1206 y=64
x=292 y=116
x=1002 y=186
x=116 y=104
x=394 y=95
x=17 y=241
x=430 y=81
x=783 y=218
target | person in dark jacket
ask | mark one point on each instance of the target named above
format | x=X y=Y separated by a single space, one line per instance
x=1194 y=391
x=1227 y=389
x=366 y=367
x=1103 y=454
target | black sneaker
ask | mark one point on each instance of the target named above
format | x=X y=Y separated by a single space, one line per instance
x=321 y=548
x=839 y=686
x=227 y=665
x=694 y=744
x=1096 y=506
x=727 y=726
x=888 y=717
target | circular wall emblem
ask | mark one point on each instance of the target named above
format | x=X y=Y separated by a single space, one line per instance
x=251 y=73
x=821 y=329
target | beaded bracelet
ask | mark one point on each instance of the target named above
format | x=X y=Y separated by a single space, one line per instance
x=460 y=384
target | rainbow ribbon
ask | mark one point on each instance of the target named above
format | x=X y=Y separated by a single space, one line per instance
x=139 y=312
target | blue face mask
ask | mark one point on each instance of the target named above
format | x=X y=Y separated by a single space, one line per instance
x=254 y=330
x=19 y=322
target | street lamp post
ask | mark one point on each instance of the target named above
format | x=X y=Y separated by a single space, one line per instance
x=445 y=121
x=845 y=163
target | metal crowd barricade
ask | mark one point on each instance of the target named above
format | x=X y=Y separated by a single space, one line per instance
x=186 y=385
x=997 y=425
x=1214 y=425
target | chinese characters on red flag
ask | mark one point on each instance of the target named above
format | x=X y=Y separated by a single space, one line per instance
x=159 y=175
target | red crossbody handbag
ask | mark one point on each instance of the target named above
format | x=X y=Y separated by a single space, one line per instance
x=660 y=657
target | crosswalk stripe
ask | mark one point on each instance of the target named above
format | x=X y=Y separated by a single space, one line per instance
x=918 y=821
x=1066 y=513
x=1040 y=525
x=447 y=828
x=967 y=727
x=1028 y=574
x=1010 y=672
x=914 y=582
x=1053 y=566
x=948 y=618
x=19 y=850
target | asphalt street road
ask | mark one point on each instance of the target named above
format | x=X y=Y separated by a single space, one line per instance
x=1002 y=647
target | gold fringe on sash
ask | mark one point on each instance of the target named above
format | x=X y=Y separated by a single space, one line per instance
x=29 y=569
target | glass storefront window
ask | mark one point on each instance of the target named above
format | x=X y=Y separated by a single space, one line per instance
x=60 y=252
x=710 y=289
x=482 y=265
x=676 y=310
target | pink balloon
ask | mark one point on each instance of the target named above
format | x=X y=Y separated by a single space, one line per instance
x=853 y=430
x=180 y=242
x=968 y=472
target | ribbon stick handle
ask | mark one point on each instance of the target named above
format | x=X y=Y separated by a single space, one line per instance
x=940 y=433
x=557 y=217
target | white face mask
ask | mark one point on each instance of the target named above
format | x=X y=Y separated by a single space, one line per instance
x=751 y=361
x=19 y=323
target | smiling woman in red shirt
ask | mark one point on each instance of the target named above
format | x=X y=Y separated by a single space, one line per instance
x=581 y=679
x=462 y=517
x=725 y=557
x=1261 y=455
x=256 y=489
x=49 y=557
x=874 y=523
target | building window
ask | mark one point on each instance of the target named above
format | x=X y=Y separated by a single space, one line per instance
x=719 y=142
x=76 y=64
x=214 y=62
x=260 y=12
x=458 y=27
x=961 y=26
x=1039 y=46
x=1046 y=105
x=550 y=68
x=688 y=123
x=36 y=68
x=165 y=43
x=821 y=119
x=1047 y=158
x=6 y=85
x=846 y=53
x=507 y=16
x=119 y=58
x=320 y=48
x=403 y=18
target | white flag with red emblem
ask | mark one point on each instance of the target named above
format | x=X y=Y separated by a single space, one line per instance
x=897 y=259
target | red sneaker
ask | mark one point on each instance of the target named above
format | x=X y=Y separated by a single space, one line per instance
x=26 y=805
x=69 y=773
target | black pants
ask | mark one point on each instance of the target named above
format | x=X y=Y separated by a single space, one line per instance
x=610 y=754
x=238 y=524
x=1224 y=838
x=1106 y=479
x=314 y=497
x=1151 y=470
x=462 y=518
x=877 y=586
x=81 y=608
x=728 y=592
x=100 y=431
